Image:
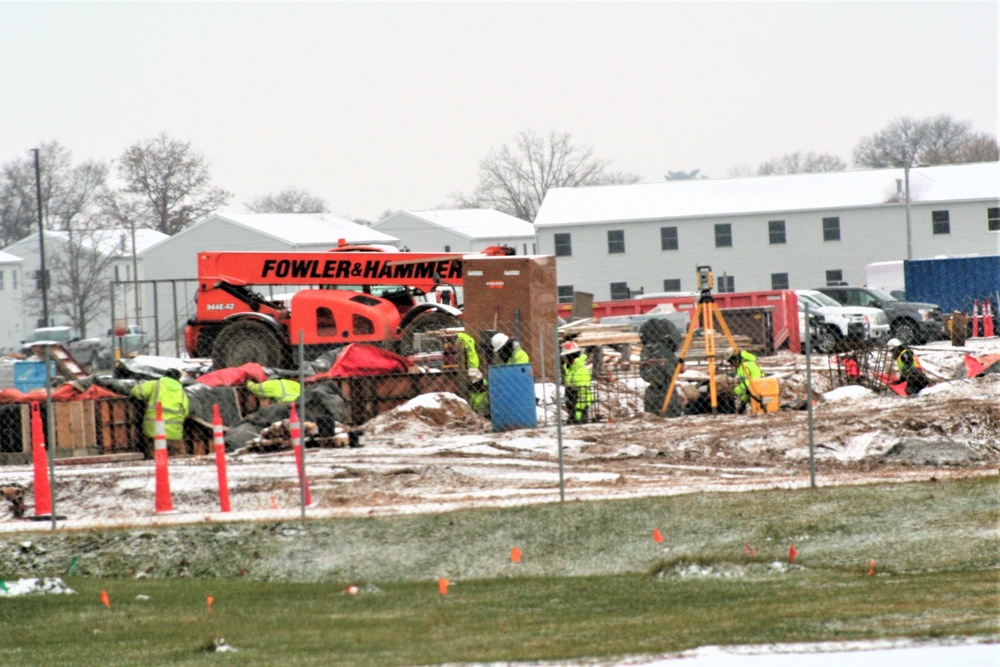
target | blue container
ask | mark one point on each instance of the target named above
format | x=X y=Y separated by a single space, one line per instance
x=953 y=282
x=30 y=375
x=512 y=397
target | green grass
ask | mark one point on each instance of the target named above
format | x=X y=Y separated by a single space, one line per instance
x=592 y=582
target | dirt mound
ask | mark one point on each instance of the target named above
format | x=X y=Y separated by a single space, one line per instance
x=427 y=414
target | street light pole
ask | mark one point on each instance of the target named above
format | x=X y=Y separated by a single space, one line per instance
x=135 y=277
x=41 y=240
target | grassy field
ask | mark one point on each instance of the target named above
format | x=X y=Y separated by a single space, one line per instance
x=592 y=583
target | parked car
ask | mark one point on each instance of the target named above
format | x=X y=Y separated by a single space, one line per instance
x=911 y=322
x=842 y=322
x=64 y=335
x=98 y=352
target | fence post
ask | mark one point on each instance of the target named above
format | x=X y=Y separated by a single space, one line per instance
x=545 y=399
x=809 y=402
x=559 y=439
x=303 y=480
x=51 y=419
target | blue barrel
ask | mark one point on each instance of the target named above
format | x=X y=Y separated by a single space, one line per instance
x=512 y=397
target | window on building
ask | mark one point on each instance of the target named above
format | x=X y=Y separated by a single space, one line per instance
x=13 y=280
x=564 y=245
x=726 y=284
x=776 y=232
x=724 y=235
x=619 y=291
x=831 y=229
x=941 y=222
x=447 y=248
x=993 y=219
x=616 y=241
x=672 y=285
x=326 y=325
x=779 y=281
x=1 y=280
x=564 y=293
x=835 y=277
x=668 y=238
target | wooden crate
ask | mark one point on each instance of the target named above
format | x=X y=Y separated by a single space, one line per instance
x=119 y=425
x=74 y=430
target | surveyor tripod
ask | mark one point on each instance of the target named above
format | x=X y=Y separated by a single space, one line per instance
x=706 y=313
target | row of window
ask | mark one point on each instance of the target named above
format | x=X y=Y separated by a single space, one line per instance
x=723 y=284
x=940 y=224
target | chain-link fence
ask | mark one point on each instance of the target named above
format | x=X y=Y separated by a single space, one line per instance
x=266 y=423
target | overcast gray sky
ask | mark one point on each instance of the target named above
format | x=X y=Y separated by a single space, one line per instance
x=380 y=105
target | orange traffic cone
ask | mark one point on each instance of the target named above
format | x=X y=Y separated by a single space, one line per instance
x=975 y=319
x=296 y=430
x=43 y=492
x=164 y=502
x=988 y=320
x=220 y=458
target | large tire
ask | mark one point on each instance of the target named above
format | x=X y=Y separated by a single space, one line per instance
x=245 y=341
x=432 y=320
x=906 y=332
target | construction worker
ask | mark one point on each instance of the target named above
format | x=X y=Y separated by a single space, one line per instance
x=908 y=365
x=747 y=369
x=174 y=404
x=478 y=398
x=576 y=382
x=275 y=391
x=508 y=352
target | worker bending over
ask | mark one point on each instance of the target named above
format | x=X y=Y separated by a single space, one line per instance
x=576 y=380
x=275 y=391
x=909 y=367
x=174 y=404
x=747 y=369
x=478 y=399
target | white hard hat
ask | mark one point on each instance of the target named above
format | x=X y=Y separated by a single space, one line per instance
x=475 y=375
x=498 y=341
x=893 y=342
x=568 y=348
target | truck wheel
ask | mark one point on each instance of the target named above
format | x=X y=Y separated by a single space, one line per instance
x=246 y=341
x=429 y=321
x=827 y=340
x=905 y=331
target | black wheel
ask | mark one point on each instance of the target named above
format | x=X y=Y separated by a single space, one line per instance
x=827 y=340
x=246 y=341
x=429 y=321
x=905 y=331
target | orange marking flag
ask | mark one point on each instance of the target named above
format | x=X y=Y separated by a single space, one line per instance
x=209 y=601
x=657 y=537
x=105 y=600
x=515 y=555
x=871 y=566
x=749 y=550
x=443 y=586
x=792 y=553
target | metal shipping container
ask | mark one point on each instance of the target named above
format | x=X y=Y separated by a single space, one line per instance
x=953 y=282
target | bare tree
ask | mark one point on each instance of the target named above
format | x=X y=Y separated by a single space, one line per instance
x=514 y=179
x=801 y=163
x=289 y=200
x=70 y=193
x=170 y=182
x=977 y=147
x=907 y=142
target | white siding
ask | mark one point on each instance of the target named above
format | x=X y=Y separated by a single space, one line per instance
x=868 y=234
x=12 y=330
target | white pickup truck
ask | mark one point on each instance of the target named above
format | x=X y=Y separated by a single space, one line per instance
x=842 y=322
x=98 y=352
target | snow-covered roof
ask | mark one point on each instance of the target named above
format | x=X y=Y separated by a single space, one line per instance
x=473 y=223
x=761 y=194
x=8 y=258
x=305 y=228
x=107 y=241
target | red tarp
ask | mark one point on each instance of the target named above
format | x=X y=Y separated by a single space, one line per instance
x=61 y=394
x=234 y=377
x=358 y=359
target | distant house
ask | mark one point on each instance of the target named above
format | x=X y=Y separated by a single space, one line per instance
x=458 y=230
x=108 y=251
x=173 y=262
x=794 y=231
x=11 y=301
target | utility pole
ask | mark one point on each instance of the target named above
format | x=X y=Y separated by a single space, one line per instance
x=41 y=241
x=909 y=233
